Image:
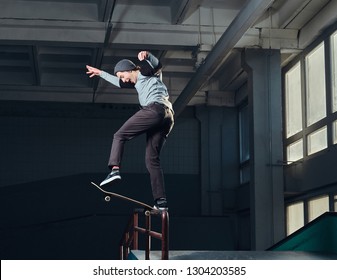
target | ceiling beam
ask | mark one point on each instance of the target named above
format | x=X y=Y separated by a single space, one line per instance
x=131 y=35
x=84 y=34
x=181 y=9
x=249 y=14
x=317 y=24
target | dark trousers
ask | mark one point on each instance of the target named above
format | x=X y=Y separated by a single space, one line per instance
x=156 y=121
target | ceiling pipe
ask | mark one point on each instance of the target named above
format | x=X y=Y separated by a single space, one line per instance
x=247 y=16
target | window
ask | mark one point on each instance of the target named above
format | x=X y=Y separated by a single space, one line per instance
x=295 y=217
x=334 y=70
x=244 y=145
x=317 y=141
x=310 y=124
x=315 y=85
x=295 y=151
x=244 y=134
x=245 y=174
x=318 y=206
x=293 y=100
x=314 y=207
x=334 y=132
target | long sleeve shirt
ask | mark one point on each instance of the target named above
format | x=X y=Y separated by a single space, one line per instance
x=149 y=85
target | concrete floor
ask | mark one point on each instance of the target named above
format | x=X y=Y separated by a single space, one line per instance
x=237 y=255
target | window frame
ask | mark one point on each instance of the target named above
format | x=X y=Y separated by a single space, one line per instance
x=331 y=116
x=306 y=198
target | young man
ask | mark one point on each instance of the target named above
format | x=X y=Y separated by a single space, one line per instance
x=155 y=118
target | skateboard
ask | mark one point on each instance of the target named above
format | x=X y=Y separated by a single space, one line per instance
x=110 y=194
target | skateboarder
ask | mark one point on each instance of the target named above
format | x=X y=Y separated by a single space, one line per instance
x=155 y=118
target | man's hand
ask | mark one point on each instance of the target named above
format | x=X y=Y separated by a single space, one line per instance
x=142 y=55
x=92 y=71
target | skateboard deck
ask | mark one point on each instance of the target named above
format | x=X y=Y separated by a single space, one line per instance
x=110 y=194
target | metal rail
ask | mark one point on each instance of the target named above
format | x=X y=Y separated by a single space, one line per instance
x=130 y=238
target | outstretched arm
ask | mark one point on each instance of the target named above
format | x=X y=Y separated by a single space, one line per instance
x=92 y=71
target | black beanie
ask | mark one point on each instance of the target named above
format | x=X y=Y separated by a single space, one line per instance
x=124 y=65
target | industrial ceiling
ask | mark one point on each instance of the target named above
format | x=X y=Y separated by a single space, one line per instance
x=45 y=44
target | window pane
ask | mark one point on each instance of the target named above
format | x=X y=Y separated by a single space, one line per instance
x=244 y=134
x=245 y=174
x=295 y=217
x=317 y=141
x=295 y=151
x=334 y=132
x=293 y=100
x=334 y=70
x=318 y=206
x=315 y=80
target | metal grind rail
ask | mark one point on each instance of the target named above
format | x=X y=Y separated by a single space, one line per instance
x=130 y=238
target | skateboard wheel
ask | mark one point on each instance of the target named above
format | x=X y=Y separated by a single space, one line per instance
x=147 y=213
x=107 y=198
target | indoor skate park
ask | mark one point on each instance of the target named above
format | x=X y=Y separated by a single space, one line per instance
x=249 y=166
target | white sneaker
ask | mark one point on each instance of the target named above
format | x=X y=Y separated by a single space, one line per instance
x=113 y=175
x=161 y=204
